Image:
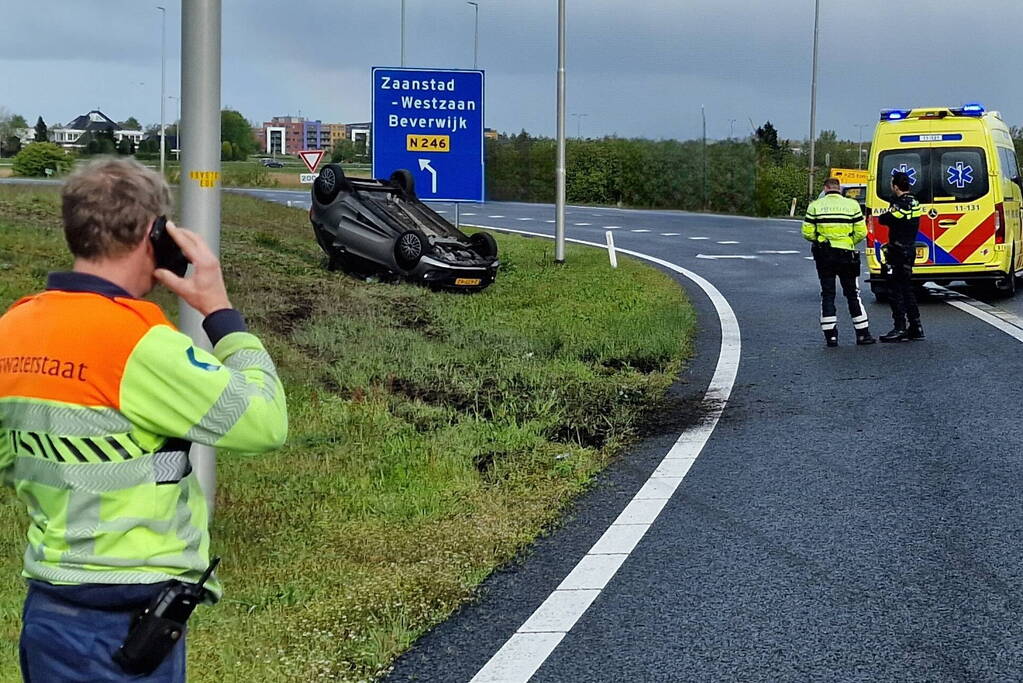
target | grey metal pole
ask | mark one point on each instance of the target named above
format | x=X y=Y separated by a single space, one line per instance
x=403 y=32
x=813 y=95
x=476 y=41
x=559 y=224
x=163 y=82
x=703 y=115
x=859 y=149
x=200 y=167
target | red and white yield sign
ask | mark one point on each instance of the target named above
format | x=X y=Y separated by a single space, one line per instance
x=311 y=158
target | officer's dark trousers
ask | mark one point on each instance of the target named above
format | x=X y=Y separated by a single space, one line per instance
x=845 y=265
x=70 y=633
x=899 y=262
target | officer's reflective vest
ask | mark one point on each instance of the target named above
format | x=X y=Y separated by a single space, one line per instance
x=99 y=397
x=835 y=219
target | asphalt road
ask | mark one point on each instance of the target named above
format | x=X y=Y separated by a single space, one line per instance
x=855 y=515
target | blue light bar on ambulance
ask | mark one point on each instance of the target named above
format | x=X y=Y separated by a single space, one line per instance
x=894 y=114
x=972 y=109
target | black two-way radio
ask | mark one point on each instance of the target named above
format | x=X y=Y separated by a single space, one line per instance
x=161 y=626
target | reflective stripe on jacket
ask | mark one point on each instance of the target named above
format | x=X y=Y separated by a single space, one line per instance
x=835 y=219
x=99 y=399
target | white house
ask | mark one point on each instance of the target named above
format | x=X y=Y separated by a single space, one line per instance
x=94 y=122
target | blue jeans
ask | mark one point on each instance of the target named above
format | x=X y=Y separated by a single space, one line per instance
x=70 y=634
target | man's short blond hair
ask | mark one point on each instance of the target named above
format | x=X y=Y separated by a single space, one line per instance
x=108 y=206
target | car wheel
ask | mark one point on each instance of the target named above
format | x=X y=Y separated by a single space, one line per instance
x=404 y=181
x=409 y=248
x=484 y=244
x=330 y=183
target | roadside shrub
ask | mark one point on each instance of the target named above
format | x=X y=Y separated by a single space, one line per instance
x=34 y=159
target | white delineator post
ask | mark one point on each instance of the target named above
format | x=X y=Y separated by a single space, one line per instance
x=200 y=169
x=611 y=249
x=792 y=209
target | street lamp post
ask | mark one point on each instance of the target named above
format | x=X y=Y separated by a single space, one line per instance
x=200 y=168
x=163 y=83
x=403 y=32
x=859 y=150
x=813 y=94
x=559 y=227
x=703 y=116
x=476 y=41
x=177 y=130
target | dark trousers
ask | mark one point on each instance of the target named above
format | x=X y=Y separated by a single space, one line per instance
x=843 y=264
x=899 y=275
x=70 y=642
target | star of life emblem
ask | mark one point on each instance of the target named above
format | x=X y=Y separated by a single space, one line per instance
x=908 y=170
x=960 y=175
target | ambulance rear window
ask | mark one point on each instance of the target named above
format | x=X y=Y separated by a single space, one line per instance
x=956 y=173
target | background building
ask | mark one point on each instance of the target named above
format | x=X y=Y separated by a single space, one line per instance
x=292 y=134
x=96 y=123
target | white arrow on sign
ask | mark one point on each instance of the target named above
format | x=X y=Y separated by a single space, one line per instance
x=424 y=165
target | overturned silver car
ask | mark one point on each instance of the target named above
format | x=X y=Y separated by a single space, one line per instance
x=379 y=227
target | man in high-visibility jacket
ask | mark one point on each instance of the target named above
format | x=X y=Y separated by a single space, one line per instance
x=834 y=225
x=100 y=398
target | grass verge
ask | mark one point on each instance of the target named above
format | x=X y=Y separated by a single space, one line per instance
x=433 y=436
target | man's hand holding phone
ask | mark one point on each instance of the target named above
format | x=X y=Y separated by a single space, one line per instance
x=204 y=290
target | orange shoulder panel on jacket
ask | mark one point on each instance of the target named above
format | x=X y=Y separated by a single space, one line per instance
x=71 y=346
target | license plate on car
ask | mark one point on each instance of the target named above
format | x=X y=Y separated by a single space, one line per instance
x=467 y=281
x=921 y=254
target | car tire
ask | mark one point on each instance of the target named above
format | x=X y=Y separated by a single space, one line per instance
x=330 y=183
x=409 y=248
x=484 y=244
x=404 y=181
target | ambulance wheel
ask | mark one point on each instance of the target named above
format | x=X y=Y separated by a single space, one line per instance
x=880 y=292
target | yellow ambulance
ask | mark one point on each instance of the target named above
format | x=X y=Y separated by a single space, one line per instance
x=963 y=170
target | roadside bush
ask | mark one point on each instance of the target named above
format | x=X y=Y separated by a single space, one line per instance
x=35 y=158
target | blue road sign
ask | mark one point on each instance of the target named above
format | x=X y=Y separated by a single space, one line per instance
x=431 y=123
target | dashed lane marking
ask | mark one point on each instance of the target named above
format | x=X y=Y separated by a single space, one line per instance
x=699 y=238
x=728 y=242
x=612 y=227
x=640 y=230
x=533 y=642
x=670 y=234
x=495 y=216
x=720 y=257
x=524 y=219
x=583 y=224
x=782 y=251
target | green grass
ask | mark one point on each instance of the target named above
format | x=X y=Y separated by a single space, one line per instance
x=433 y=436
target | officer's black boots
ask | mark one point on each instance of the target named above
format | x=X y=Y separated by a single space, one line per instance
x=894 y=336
x=915 y=331
x=831 y=338
x=863 y=337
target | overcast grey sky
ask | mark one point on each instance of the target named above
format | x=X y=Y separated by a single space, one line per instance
x=636 y=67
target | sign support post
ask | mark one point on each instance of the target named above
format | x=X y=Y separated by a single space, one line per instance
x=200 y=169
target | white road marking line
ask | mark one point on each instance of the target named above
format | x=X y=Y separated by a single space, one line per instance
x=1008 y=323
x=550 y=221
x=495 y=216
x=718 y=257
x=640 y=230
x=808 y=258
x=441 y=211
x=782 y=251
x=466 y=213
x=526 y=651
x=524 y=219
x=699 y=238
x=670 y=234
x=728 y=242
x=612 y=227
x=582 y=224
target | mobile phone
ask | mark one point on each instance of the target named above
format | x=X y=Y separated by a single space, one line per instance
x=168 y=253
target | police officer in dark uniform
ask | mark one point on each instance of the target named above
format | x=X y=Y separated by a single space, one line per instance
x=902 y=221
